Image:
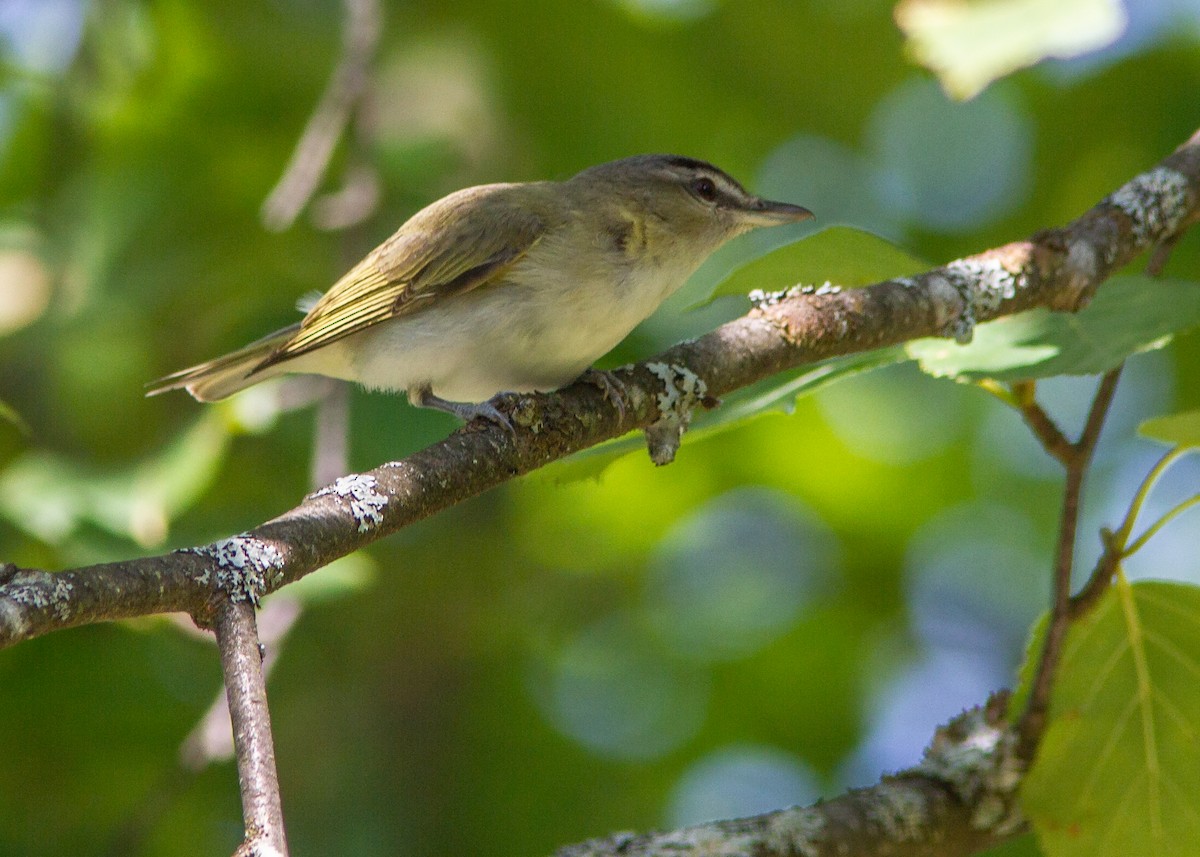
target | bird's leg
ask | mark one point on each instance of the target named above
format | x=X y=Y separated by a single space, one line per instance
x=613 y=388
x=423 y=397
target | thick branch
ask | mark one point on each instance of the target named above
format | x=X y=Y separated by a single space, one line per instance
x=1059 y=269
x=960 y=800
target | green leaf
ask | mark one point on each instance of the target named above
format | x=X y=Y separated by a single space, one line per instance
x=51 y=496
x=1181 y=429
x=840 y=255
x=779 y=394
x=1024 y=845
x=9 y=414
x=970 y=44
x=775 y=395
x=1118 y=770
x=1129 y=314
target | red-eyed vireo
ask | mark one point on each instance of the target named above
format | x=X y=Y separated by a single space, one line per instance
x=506 y=287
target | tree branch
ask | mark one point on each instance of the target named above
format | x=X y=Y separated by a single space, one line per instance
x=960 y=800
x=1059 y=269
x=345 y=90
x=1076 y=458
x=1053 y=441
x=245 y=687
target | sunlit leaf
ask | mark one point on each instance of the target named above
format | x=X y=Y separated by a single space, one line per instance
x=1118 y=769
x=1128 y=315
x=775 y=395
x=1182 y=429
x=51 y=496
x=779 y=394
x=970 y=44
x=840 y=255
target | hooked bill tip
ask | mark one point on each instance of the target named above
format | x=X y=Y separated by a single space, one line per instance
x=783 y=212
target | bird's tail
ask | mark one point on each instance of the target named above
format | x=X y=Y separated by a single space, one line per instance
x=226 y=375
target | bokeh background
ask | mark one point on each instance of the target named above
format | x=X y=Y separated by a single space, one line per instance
x=785 y=612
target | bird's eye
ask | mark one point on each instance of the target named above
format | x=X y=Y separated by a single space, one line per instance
x=705 y=189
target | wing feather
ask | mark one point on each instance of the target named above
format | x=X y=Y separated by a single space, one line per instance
x=455 y=245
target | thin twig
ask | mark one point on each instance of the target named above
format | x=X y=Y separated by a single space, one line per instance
x=999 y=391
x=1139 y=499
x=1117 y=545
x=1076 y=459
x=1053 y=440
x=1098 y=581
x=1140 y=541
x=342 y=95
x=331 y=441
x=245 y=686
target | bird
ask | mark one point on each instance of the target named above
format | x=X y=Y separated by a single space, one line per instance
x=515 y=287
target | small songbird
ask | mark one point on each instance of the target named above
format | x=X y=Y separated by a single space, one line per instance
x=506 y=287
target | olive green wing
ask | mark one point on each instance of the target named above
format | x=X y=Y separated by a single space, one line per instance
x=457 y=244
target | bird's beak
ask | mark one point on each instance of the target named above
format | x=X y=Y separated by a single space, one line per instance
x=764 y=212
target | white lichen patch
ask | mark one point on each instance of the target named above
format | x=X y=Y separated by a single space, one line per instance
x=900 y=810
x=982 y=286
x=1155 y=203
x=245 y=566
x=1082 y=265
x=988 y=281
x=41 y=591
x=265 y=849
x=11 y=618
x=979 y=762
x=683 y=390
x=366 y=503
x=959 y=326
x=763 y=299
x=61 y=598
x=794 y=831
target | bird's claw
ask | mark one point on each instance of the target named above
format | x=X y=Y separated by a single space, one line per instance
x=466 y=411
x=612 y=387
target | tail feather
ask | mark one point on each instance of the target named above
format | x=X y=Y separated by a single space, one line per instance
x=226 y=375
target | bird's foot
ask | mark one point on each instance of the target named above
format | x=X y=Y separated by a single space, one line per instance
x=612 y=387
x=423 y=397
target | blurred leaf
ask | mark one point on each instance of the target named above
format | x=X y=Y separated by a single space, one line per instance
x=1128 y=315
x=840 y=254
x=50 y=496
x=1181 y=429
x=779 y=394
x=775 y=395
x=1024 y=845
x=9 y=415
x=970 y=44
x=1118 y=770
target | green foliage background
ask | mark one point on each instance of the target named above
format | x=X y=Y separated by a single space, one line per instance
x=554 y=660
